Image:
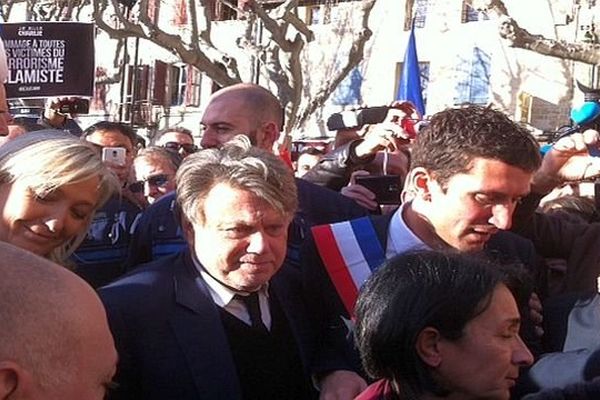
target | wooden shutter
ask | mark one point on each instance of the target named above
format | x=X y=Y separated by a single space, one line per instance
x=160 y=83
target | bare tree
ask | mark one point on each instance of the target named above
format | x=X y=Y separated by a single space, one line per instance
x=46 y=10
x=285 y=37
x=519 y=37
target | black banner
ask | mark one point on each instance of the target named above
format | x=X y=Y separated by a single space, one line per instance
x=47 y=59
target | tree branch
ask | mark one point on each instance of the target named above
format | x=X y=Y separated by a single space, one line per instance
x=174 y=43
x=519 y=37
x=355 y=55
x=194 y=36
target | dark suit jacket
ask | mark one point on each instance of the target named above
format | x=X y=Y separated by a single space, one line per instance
x=503 y=247
x=577 y=243
x=170 y=339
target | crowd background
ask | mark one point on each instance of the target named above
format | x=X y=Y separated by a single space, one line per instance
x=224 y=276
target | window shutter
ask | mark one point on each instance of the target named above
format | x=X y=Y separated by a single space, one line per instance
x=160 y=80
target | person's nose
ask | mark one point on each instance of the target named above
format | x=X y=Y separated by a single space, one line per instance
x=209 y=139
x=149 y=190
x=257 y=243
x=56 y=221
x=521 y=355
x=502 y=216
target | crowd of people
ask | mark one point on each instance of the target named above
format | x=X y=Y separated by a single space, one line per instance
x=200 y=267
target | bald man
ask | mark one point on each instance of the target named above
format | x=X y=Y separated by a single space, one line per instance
x=55 y=343
x=243 y=108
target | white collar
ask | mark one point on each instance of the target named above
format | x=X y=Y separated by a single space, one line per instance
x=400 y=237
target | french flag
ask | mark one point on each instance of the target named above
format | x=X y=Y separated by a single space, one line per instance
x=351 y=252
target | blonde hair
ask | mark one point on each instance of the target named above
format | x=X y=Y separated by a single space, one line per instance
x=46 y=160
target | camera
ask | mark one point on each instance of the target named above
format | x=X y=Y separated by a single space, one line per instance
x=387 y=188
x=74 y=106
x=357 y=118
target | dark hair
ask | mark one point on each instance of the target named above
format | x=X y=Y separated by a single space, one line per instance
x=105 y=126
x=573 y=209
x=177 y=129
x=454 y=137
x=413 y=291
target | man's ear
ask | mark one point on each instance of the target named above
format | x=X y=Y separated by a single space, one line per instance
x=270 y=135
x=188 y=230
x=10 y=374
x=427 y=347
x=418 y=182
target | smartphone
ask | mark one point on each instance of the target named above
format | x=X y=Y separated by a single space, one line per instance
x=387 y=188
x=74 y=106
x=114 y=155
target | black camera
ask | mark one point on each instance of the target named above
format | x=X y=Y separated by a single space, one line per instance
x=357 y=118
x=74 y=106
x=387 y=188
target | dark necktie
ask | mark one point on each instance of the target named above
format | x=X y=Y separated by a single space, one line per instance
x=252 y=305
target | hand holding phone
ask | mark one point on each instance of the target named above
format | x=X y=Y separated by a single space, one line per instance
x=114 y=155
x=387 y=188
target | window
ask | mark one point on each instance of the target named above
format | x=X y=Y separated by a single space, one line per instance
x=137 y=83
x=153 y=10
x=313 y=15
x=348 y=91
x=424 y=74
x=180 y=17
x=316 y=15
x=98 y=101
x=473 y=78
x=469 y=14
x=183 y=85
x=177 y=78
x=420 y=12
x=192 y=89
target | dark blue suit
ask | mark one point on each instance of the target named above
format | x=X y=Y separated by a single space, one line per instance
x=171 y=341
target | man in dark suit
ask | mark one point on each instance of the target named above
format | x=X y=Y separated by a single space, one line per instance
x=470 y=167
x=225 y=319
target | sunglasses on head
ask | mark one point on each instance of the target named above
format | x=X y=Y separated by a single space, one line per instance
x=187 y=147
x=159 y=180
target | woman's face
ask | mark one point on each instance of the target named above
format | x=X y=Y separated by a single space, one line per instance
x=42 y=223
x=485 y=362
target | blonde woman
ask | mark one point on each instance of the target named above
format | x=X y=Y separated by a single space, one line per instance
x=51 y=184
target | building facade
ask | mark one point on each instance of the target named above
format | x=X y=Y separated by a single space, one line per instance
x=462 y=60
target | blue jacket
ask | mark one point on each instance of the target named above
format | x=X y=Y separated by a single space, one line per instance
x=101 y=256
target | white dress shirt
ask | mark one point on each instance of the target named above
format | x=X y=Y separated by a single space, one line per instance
x=400 y=238
x=224 y=297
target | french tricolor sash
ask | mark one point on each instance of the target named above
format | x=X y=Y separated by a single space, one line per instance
x=351 y=252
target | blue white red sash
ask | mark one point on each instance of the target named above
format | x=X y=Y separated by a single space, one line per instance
x=351 y=252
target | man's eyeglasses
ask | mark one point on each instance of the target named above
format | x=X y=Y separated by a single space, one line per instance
x=159 y=180
x=187 y=147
